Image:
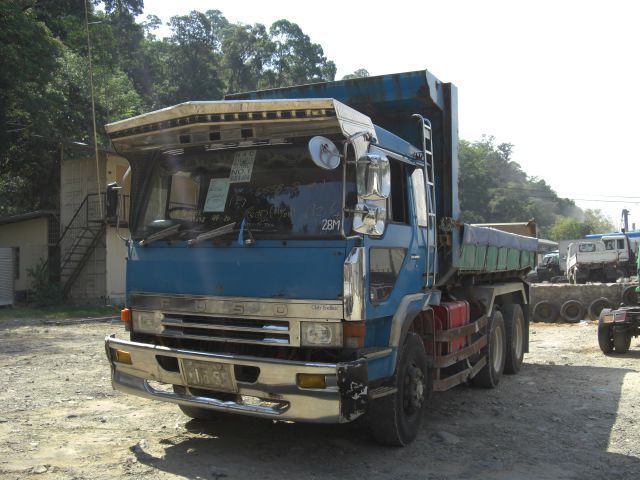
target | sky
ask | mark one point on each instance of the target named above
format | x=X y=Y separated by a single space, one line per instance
x=560 y=80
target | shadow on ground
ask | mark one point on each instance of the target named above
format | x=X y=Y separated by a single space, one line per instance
x=550 y=421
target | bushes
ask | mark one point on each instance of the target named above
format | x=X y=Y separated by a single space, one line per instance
x=44 y=291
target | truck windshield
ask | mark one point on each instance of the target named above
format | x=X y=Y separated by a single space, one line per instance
x=273 y=191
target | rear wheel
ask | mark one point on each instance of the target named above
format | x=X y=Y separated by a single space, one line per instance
x=395 y=419
x=515 y=327
x=605 y=333
x=495 y=352
x=621 y=341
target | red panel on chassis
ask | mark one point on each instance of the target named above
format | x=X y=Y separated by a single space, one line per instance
x=449 y=315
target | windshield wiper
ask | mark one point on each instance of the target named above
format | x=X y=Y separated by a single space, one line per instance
x=216 y=232
x=164 y=233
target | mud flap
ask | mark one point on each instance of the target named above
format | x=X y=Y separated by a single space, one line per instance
x=354 y=390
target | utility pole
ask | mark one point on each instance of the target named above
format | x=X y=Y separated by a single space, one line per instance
x=625 y=220
x=93 y=107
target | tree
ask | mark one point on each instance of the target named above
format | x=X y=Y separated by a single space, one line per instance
x=594 y=221
x=494 y=188
x=45 y=104
x=296 y=59
x=359 y=73
x=246 y=51
x=567 y=229
x=597 y=221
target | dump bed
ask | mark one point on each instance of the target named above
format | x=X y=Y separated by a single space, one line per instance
x=488 y=250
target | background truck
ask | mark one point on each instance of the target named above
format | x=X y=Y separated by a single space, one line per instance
x=616 y=327
x=296 y=255
x=548 y=270
x=601 y=260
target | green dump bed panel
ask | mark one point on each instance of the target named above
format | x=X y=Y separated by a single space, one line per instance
x=487 y=250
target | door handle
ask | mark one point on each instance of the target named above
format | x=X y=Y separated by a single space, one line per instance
x=415 y=257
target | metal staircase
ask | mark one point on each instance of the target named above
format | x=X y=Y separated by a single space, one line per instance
x=82 y=235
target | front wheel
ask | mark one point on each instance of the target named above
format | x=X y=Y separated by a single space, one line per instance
x=495 y=352
x=605 y=332
x=395 y=419
x=197 y=413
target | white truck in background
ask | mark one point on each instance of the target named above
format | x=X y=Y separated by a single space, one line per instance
x=601 y=260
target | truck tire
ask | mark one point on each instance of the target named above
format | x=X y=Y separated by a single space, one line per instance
x=197 y=413
x=605 y=333
x=515 y=328
x=395 y=419
x=495 y=351
x=544 y=311
x=597 y=306
x=621 y=341
x=630 y=296
x=572 y=311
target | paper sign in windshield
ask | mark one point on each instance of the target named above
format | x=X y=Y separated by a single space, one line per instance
x=242 y=166
x=217 y=195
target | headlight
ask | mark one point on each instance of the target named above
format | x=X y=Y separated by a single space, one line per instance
x=147 y=322
x=320 y=334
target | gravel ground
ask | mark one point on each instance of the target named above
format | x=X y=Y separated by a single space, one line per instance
x=571 y=413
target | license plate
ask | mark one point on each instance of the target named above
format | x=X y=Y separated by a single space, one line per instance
x=209 y=375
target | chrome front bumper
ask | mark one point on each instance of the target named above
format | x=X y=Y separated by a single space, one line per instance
x=275 y=393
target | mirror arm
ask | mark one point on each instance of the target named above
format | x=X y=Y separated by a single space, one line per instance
x=344 y=189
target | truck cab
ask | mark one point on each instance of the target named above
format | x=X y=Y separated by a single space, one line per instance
x=601 y=260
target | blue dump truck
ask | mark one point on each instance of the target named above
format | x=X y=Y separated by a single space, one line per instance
x=296 y=254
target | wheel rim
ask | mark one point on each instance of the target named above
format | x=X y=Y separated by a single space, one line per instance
x=497 y=348
x=414 y=389
x=518 y=335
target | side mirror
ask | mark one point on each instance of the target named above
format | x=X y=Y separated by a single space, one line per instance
x=369 y=219
x=373 y=184
x=373 y=177
x=112 y=200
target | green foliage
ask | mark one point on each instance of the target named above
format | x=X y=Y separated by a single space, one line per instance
x=43 y=291
x=45 y=101
x=567 y=229
x=594 y=221
x=493 y=188
x=359 y=73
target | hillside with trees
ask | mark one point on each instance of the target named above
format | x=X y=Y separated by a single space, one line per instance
x=494 y=188
x=46 y=112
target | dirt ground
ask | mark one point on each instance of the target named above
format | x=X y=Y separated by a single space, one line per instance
x=571 y=413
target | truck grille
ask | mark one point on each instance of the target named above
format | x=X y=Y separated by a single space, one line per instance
x=220 y=329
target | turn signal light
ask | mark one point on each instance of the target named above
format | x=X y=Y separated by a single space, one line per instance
x=354 y=333
x=125 y=316
x=311 y=380
x=121 y=356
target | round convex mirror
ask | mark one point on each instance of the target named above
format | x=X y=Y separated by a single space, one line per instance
x=324 y=153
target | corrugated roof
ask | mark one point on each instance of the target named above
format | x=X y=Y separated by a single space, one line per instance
x=27 y=216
